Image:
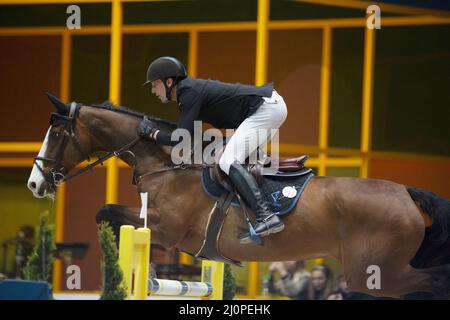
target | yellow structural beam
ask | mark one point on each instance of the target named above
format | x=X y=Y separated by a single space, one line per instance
x=16 y=162
x=355 y=22
x=262 y=41
x=112 y=170
x=353 y=4
x=262 y=45
x=24 y=2
x=66 y=48
x=20 y=146
x=324 y=98
x=367 y=102
x=385 y=7
x=185 y=258
x=59 y=235
x=193 y=53
x=187 y=27
x=225 y=26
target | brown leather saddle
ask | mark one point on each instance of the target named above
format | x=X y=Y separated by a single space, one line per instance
x=210 y=247
x=284 y=165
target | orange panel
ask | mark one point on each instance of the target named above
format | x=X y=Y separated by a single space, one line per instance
x=294 y=64
x=128 y=195
x=85 y=197
x=425 y=174
x=29 y=66
x=227 y=56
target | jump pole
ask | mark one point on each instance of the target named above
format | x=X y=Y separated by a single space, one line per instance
x=134 y=256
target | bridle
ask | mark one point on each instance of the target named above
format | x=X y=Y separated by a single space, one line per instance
x=56 y=176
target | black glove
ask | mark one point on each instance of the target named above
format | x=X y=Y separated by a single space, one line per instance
x=145 y=128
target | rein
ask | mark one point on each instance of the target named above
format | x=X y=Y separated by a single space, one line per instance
x=101 y=160
x=182 y=166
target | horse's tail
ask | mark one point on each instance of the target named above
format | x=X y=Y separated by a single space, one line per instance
x=434 y=249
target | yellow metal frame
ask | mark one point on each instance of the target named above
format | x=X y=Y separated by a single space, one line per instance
x=325 y=156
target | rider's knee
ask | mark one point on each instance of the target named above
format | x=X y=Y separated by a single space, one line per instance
x=281 y=112
x=225 y=165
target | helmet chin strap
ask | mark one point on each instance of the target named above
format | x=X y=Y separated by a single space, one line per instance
x=168 y=90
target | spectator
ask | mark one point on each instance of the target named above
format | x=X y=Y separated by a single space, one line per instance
x=341 y=291
x=294 y=279
x=321 y=285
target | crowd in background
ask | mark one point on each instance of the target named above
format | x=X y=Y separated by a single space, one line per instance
x=293 y=280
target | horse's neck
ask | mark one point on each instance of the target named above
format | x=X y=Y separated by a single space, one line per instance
x=110 y=131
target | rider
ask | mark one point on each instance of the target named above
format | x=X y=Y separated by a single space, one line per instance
x=224 y=105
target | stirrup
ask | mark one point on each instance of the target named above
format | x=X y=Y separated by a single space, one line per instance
x=247 y=237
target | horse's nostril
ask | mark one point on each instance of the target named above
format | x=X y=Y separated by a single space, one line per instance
x=33 y=185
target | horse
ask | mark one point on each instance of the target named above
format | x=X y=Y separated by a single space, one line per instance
x=362 y=223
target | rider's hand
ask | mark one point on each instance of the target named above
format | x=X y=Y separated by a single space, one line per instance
x=145 y=128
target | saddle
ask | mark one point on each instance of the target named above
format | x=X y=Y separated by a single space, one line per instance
x=285 y=165
x=291 y=176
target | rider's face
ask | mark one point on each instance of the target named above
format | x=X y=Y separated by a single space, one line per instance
x=159 y=90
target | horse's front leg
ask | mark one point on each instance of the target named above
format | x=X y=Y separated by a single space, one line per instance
x=117 y=216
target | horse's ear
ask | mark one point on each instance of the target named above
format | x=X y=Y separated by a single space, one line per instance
x=63 y=108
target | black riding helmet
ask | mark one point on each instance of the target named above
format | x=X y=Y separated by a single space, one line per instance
x=163 y=68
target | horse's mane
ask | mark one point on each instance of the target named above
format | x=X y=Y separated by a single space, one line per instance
x=120 y=109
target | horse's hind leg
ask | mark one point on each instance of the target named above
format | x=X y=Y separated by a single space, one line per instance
x=389 y=250
x=397 y=277
x=440 y=280
x=394 y=282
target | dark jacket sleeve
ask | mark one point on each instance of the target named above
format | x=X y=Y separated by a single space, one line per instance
x=164 y=138
x=190 y=104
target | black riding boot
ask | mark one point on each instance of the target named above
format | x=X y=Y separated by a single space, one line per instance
x=266 y=221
